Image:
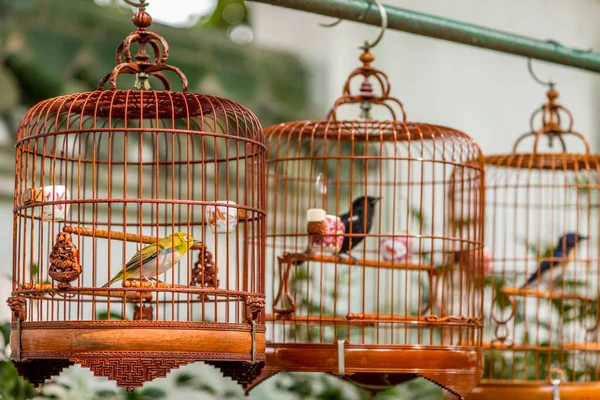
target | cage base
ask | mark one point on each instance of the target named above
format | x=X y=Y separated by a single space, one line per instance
x=134 y=352
x=378 y=367
x=533 y=391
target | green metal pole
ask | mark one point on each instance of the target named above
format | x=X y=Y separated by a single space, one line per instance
x=446 y=29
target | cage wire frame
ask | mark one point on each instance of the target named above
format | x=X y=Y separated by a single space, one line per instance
x=368 y=315
x=100 y=175
x=542 y=339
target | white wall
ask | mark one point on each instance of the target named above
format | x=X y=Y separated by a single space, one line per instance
x=487 y=94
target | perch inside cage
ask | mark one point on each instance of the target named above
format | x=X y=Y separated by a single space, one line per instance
x=139 y=229
x=542 y=229
x=365 y=278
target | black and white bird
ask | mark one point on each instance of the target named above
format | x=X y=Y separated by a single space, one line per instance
x=554 y=268
x=358 y=223
x=363 y=210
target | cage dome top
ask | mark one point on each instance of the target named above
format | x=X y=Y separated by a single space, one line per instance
x=556 y=125
x=171 y=109
x=374 y=90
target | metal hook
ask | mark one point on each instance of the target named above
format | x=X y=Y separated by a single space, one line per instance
x=141 y=4
x=384 y=24
x=550 y=83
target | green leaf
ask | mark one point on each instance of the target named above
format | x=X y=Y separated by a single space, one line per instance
x=152 y=393
x=571 y=284
x=415 y=212
x=5 y=329
x=300 y=386
x=184 y=379
x=205 y=388
x=103 y=316
x=230 y=394
x=105 y=393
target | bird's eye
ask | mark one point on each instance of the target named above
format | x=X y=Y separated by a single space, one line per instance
x=187 y=239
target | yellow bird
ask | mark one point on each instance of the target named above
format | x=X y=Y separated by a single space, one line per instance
x=155 y=259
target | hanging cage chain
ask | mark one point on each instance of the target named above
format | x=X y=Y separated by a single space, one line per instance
x=141 y=64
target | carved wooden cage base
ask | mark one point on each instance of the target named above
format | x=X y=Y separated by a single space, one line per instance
x=42 y=349
x=133 y=369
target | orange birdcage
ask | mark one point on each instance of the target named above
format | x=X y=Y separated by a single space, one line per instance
x=542 y=225
x=366 y=279
x=101 y=175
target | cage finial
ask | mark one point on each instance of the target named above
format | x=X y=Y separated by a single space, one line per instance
x=368 y=95
x=142 y=64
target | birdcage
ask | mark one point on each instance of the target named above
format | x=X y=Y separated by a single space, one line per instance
x=364 y=277
x=139 y=224
x=542 y=225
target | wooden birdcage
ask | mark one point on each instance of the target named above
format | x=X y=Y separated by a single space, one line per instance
x=541 y=294
x=362 y=277
x=101 y=175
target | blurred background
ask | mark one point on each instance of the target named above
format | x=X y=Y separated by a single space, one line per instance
x=284 y=66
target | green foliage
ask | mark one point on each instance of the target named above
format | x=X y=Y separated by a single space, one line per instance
x=186 y=380
x=103 y=316
x=227 y=13
x=12 y=386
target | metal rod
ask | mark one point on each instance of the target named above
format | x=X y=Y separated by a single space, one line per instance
x=447 y=29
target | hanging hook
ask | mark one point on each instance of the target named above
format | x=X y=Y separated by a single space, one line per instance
x=141 y=4
x=330 y=25
x=384 y=23
x=551 y=82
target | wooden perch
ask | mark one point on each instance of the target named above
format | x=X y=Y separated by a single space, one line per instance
x=359 y=262
x=48 y=288
x=424 y=319
x=129 y=237
x=384 y=318
x=543 y=294
x=316 y=320
x=518 y=347
x=581 y=346
x=567 y=346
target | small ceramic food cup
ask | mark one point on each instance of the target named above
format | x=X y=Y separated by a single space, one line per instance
x=397 y=248
x=333 y=238
x=57 y=211
x=221 y=218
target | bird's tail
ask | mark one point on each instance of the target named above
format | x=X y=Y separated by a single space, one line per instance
x=114 y=279
x=530 y=280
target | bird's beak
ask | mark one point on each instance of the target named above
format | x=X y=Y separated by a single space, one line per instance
x=583 y=237
x=379 y=198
